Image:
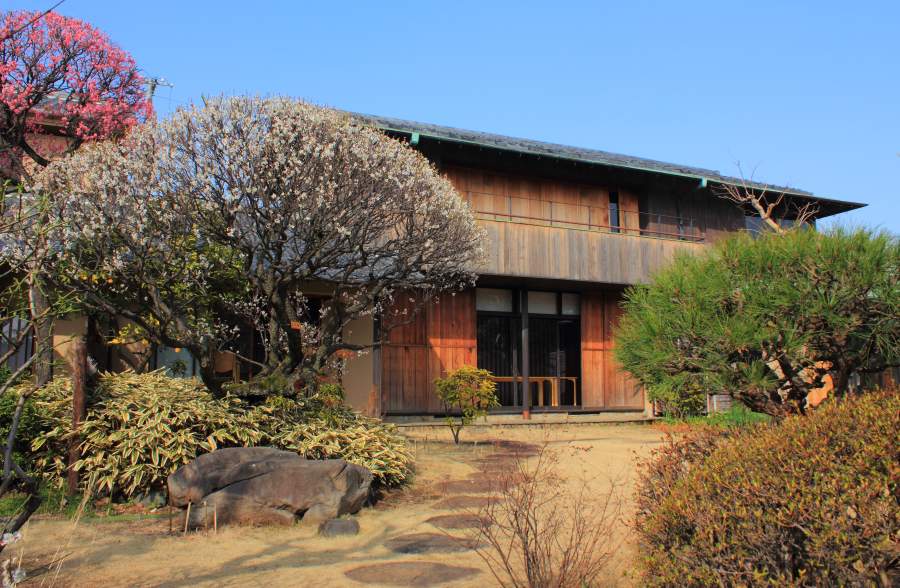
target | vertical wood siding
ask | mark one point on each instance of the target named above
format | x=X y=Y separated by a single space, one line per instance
x=442 y=338
x=604 y=384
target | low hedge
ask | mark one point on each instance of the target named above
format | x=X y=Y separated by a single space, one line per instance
x=142 y=427
x=809 y=501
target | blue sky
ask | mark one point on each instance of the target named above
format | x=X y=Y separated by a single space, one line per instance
x=800 y=93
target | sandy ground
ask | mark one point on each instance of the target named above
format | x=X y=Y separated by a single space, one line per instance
x=143 y=553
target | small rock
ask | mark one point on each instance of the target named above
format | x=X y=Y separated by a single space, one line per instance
x=336 y=527
x=152 y=499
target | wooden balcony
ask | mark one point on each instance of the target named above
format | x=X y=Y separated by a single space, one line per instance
x=542 y=239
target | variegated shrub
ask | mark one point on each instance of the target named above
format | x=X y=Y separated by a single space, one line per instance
x=142 y=427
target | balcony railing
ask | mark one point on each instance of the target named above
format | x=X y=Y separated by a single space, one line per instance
x=585 y=217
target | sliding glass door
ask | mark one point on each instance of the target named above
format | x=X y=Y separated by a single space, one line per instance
x=554 y=345
x=554 y=360
x=499 y=340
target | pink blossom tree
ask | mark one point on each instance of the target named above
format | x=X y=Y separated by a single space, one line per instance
x=60 y=77
x=62 y=83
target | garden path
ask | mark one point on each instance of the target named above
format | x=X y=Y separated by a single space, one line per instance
x=405 y=540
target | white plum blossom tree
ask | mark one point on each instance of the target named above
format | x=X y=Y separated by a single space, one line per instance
x=222 y=218
x=25 y=307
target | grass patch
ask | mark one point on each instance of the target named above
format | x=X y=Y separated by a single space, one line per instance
x=737 y=416
x=55 y=503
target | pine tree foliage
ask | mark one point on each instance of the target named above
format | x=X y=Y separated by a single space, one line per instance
x=766 y=320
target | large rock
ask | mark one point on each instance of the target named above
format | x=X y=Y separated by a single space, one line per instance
x=261 y=485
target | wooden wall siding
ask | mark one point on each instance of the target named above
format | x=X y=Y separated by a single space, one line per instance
x=548 y=201
x=570 y=204
x=721 y=218
x=533 y=199
x=441 y=339
x=604 y=384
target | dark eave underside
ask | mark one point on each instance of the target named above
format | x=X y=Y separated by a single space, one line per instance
x=828 y=206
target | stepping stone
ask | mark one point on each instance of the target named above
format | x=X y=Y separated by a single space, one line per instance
x=517 y=447
x=496 y=457
x=497 y=479
x=428 y=543
x=415 y=574
x=495 y=463
x=457 y=521
x=336 y=527
x=462 y=502
x=477 y=486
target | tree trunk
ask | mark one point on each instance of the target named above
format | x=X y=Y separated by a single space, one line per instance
x=43 y=334
x=208 y=376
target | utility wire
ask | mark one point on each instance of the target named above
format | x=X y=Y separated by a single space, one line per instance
x=32 y=21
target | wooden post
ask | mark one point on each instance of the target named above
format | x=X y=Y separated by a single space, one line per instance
x=79 y=409
x=235 y=369
x=526 y=387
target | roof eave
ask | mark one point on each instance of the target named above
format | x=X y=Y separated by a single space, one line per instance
x=834 y=205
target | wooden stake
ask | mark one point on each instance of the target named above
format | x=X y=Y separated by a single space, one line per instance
x=79 y=382
x=187 y=517
x=216 y=519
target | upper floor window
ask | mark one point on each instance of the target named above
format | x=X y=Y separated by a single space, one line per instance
x=614 y=221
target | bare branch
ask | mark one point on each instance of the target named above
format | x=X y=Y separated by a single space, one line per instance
x=772 y=207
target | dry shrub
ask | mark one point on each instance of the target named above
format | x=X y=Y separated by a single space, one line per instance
x=811 y=501
x=684 y=446
x=542 y=530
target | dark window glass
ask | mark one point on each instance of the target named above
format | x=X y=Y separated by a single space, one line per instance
x=614 y=222
x=498 y=351
x=554 y=345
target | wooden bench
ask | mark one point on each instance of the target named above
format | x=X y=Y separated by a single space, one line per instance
x=554 y=382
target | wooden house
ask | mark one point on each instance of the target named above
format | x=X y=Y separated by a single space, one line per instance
x=568 y=229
